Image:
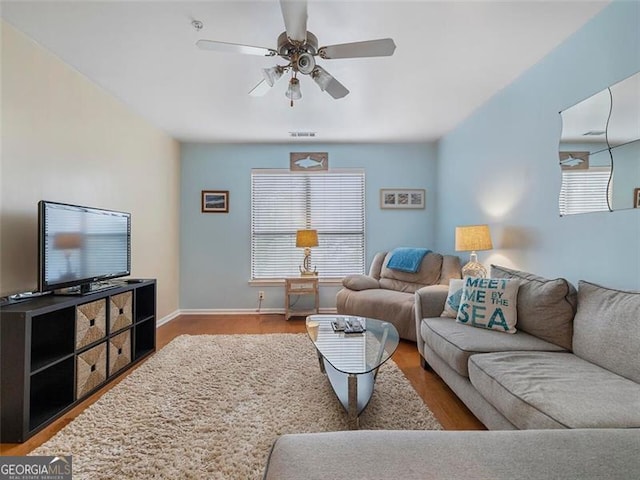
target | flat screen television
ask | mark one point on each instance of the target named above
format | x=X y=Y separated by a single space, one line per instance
x=79 y=246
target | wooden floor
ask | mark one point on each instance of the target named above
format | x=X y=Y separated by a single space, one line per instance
x=447 y=408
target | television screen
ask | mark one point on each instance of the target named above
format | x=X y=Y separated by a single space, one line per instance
x=80 y=245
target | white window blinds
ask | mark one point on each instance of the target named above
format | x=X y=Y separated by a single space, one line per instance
x=283 y=202
x=584 y=191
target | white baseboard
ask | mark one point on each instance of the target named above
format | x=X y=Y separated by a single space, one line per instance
x=226 y=311
x=242 y=311
x=168 y=318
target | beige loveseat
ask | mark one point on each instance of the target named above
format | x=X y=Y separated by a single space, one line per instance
x=574 y=361
x=388 y=294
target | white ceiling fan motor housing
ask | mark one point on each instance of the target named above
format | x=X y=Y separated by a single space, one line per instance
x=287 y=48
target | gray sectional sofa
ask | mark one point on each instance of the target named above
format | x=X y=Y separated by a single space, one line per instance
x=388 y=294
x=561 y=396
x=573 y=363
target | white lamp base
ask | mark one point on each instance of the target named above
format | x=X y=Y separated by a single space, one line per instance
x=474 y=268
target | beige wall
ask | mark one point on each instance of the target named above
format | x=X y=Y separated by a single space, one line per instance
x=65 y=139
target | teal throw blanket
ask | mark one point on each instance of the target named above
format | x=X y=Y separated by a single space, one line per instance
x=407 y=259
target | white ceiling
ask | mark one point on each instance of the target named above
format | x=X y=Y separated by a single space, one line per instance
x=451 y=57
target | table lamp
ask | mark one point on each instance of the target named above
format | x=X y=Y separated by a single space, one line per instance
x=307 y=239
x=472 y=238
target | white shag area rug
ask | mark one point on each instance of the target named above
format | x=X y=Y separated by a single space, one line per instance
x=211 y=406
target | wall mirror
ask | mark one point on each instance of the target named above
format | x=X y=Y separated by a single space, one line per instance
x=599 y=152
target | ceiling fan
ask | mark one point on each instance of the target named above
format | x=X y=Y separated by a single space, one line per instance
x=299 y=47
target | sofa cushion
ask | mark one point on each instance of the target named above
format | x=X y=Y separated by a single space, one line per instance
x=545 y=307
x=489 y=303
x=555 y=390
x=454 y=295
x=455 y=343
x=427 y=274
x=607 y=329
x=360 y=282
x=388 y=305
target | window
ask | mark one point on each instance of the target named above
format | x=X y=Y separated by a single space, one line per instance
x=585 y=191
x=283 y=202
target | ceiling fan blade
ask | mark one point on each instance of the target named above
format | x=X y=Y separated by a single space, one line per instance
x=328 y=84
x=383 y=47
x=235 y=48
x=294 y=13
x=260 y=89
x=336 y=89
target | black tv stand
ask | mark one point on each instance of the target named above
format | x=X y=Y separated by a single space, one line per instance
x=56 y=350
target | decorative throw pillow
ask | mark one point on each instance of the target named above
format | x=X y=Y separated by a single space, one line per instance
x=452 y=304
x=489 y=303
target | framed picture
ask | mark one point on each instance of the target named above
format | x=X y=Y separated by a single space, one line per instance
x=308 y=161
x=402 y=198
x=636 y=197
x=215 y=201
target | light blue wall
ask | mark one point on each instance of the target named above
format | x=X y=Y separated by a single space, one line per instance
x=501 y=165
x=215 y=248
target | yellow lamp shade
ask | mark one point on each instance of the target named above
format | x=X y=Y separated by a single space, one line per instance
x=472 y=238
x=306 y=238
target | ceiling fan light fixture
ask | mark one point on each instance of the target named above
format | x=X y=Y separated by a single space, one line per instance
x=305 y=63
x=273 y=74
x=294 y=92
x=321 y=77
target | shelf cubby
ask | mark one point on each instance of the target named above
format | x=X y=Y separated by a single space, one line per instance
x=51 y=391
x=144 y=338
x=145 y=304
x=52 y=337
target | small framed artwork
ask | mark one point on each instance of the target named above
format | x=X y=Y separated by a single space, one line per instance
x=402 y=198
x=636 y=197
x=308 y=161
x=215 y=201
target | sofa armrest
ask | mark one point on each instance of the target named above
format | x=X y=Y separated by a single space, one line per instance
x=430 y=302
x=360 y=282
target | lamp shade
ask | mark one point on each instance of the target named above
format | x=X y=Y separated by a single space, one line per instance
x=472 y=238
x=306 y=238
x=321 y=77
x=294 y=92
x=273 y=74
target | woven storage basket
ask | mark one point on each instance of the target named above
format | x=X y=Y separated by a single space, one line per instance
x=91 y=322
x=120 y=311
x=119 y=351
x=91 y=369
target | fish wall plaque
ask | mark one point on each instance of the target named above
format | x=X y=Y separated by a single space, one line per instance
x=308 y=161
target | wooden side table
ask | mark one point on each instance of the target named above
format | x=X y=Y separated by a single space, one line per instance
x=300 y=286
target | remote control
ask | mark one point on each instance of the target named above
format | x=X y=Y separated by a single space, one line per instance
x=338 y=325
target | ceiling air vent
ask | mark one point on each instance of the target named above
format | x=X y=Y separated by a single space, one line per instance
x=302 y=134
x=593 y=133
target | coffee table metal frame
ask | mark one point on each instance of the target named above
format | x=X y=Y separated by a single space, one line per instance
x=353 y=385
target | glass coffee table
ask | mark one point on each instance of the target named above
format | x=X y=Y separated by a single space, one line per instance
x=351 y=360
